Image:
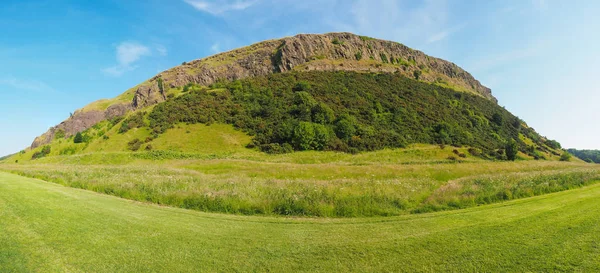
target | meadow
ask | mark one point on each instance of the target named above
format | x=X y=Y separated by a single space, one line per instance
x=418 y=179
x=47 y=227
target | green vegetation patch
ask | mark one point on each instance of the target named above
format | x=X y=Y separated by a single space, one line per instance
x=348 y=112
x=47 y=227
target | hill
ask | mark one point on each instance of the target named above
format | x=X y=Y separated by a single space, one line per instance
x=305 y=139
x=305 y=52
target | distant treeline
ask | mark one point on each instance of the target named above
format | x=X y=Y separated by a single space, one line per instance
x=591 y=156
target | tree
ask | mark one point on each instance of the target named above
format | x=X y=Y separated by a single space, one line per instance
x=565 y=157
x=511 y=150
x=78 y=138
x=417 y=74
x=304 y=136
x=497 y=119
x=345 y=127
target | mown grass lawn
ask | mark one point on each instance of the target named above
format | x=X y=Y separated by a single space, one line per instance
x=46 y=227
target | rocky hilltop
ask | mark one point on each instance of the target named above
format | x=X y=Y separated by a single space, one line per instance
x=304 y=52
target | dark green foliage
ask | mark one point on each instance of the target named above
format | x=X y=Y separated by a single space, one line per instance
x=134 y=121
x=134 y=145
x=358 y=55
x=346 y=111
x=336 y=41
x=590 y=156
x=565 y=157
x=42 y=153
x=497 y=119
x=301 y=86
x=114 y=121
x=78 y=138
x=553 y=144
x=511 y=150
x=417 y=74
x=384 y=58
x=161 y=86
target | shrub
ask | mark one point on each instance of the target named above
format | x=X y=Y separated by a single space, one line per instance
x=78 y=138
x=134 y=145
x=134 y=121
x=474 y=151
x=565 y=157
x=383 y=57
x=511 y=150
x=417 y=74
x=358 y=55
x=42 y=153
x=336 y=41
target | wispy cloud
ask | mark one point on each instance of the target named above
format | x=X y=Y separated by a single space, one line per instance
x=445 y=33
x=162 y=50
x=401 y=21
x=220 y=6
x=26 y=84
x=128 y=53
x=508 y=57
x=215 y=48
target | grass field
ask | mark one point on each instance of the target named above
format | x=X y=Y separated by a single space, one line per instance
x=46 y=227
x=384 y=183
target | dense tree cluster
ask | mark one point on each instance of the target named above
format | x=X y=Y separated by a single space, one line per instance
x=350 y=112
x=590 y=156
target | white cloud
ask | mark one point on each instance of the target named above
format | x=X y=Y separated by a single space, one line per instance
x=127 y=54
x=445 y=33
x=26 y=84
x=219 y=7
x=215 y=48
x=162 y=50
x=402 y=21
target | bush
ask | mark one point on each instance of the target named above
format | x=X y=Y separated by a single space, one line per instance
x=42 y=153
x=511 y=150
x=565 y=157
x=474 y=152
x=417 y=74
x=134 y=145
x=134 y=121
x=78 y=138
x=358 y=55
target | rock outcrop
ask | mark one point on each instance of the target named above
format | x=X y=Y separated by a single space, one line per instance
x=81 y=121
x=304 y=52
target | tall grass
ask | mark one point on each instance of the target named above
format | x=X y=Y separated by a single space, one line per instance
x=342 y=189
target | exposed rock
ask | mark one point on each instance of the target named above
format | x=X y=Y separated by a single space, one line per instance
x=81 y=121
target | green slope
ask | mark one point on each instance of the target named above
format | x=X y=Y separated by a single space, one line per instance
x=51 y=228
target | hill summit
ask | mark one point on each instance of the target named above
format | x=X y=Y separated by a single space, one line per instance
x=301 y=53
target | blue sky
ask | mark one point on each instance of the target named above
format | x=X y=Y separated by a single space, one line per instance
x=540 y=57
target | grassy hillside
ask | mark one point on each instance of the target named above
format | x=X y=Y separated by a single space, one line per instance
x=331 y=111
x=50 y=228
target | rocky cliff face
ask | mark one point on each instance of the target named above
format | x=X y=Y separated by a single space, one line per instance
x=332 y=51
x=81 y=121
